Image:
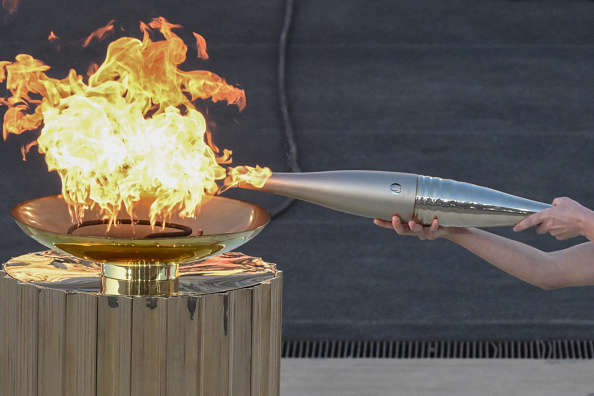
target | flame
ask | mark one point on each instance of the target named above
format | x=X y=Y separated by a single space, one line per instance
x=246 y=174
x=53 y=38
x=201 y=46
x=132 y=131
x=92 y=69
x=101 y=33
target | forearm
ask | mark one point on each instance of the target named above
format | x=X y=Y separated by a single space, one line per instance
x=573 y=266
x=520 y=260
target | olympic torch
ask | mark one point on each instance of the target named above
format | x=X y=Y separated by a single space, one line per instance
x=382 y=195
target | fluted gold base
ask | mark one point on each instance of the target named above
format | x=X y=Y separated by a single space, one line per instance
x=157 y=288
x=140 y=272
x=214 y=337
x=140 y=279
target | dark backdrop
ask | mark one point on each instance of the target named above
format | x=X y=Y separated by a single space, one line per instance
x=497 y=93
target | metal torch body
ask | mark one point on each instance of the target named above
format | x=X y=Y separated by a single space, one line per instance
x=382 y=195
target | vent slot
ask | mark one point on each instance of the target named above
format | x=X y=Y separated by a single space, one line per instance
x=439 y=349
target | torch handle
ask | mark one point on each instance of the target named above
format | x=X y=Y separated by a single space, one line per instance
x=458 y=204
x=376 y=194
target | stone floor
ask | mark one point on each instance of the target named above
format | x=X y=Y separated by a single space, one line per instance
x=433 y=377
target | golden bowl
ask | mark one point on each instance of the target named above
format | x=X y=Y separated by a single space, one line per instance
x=133 y=250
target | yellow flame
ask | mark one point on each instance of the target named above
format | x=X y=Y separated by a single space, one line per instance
x=246 y=174
x=132 y=130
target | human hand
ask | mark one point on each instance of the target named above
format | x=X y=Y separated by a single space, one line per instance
x=566 y=219
x=431 y=232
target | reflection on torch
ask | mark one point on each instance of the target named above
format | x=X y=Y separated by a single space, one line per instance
x=382 y=195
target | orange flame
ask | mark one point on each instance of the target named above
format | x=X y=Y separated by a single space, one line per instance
x=131 y=131
x=92 y=69
x=101 y=33
x=54 y=40
x=201 y=46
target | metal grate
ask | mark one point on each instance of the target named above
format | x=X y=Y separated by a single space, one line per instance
x=439 y=349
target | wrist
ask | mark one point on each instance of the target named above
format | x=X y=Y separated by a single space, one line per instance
x=587 y=225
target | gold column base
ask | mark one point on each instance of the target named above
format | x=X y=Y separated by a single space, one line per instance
x=157 y=288
x=140 y=279
x=140 y=272
x=61 y=337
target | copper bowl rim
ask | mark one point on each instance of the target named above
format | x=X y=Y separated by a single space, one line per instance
x=263 y=213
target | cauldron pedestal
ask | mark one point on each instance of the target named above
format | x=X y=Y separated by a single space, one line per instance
x=62 y=333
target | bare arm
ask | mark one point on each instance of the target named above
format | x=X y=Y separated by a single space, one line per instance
x=573 y=266
x=570 y=267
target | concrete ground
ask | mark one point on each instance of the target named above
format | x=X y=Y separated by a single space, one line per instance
x=459 y=377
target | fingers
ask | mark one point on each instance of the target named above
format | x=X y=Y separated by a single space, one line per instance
x=541 y=229
x=430 y=232
x=399 y=227
x=434 y=227
x=396 y=224
x=530 y=221
x=561 y=205
x=563 y=200
x=415 y=227
x=383 y=223
x=541 y=217
x=411 y=228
